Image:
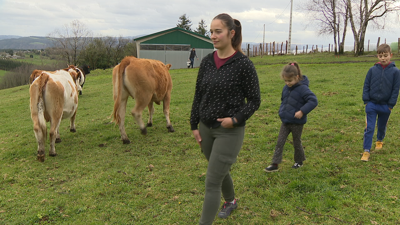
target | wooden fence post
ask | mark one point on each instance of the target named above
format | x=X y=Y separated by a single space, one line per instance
x=273 y=50
x=261 y=50
x=306 y=49
x=398 y=45
x=368 y=45
x=377 y=45
x=296 y=49
x=286 y=50
x=248 y=50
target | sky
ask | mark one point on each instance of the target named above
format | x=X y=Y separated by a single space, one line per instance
x=132 y=18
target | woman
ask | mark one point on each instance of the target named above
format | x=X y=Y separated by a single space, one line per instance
x=227 y=94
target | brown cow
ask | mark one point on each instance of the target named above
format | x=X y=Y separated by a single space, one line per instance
x=146 y=81
x=53 y=96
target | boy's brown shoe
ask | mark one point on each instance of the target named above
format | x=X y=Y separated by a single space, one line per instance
x=365 y=157
x=378 y=145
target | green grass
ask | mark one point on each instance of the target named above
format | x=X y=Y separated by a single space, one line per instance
x=37 y=59
x=159 y=178
x=2 y=73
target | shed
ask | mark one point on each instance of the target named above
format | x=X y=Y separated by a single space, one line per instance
x=173 y=46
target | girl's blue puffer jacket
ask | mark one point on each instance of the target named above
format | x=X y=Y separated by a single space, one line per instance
x=295 y=98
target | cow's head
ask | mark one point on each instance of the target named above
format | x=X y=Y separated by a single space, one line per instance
x=35 y=74
x=77 y=75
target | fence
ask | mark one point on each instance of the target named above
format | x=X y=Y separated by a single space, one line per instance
x=281 y=48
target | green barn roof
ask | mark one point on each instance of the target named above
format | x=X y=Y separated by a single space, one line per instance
x=177 y=35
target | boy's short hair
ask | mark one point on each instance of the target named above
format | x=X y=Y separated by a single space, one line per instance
x=384 y=48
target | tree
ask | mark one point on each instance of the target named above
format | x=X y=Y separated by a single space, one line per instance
x=362 y=12
x=71 y=40
x=202 y=28
x=327 y=14
x=104 y=52
x=184 y=22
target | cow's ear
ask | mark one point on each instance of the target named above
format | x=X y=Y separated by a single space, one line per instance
x=169 y=65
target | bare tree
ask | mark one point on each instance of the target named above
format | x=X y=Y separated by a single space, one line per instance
x=331 y=16
x=119 y=53
x=71 y=40
x=362 y=12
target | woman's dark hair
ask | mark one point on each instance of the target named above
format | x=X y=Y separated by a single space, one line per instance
x=232 y=24
x=292 y=69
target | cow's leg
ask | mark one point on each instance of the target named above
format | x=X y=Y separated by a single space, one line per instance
x=58 y=136
x=41 y=139
x=140 y=104
x=121 y=113
x=166 y=102
x=151 y=112
x=72 y=124
x=54 y=125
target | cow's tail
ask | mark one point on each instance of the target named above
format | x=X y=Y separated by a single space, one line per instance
x=118 y=85
x=37 y=105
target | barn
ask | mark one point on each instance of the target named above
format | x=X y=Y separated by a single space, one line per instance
x=173 y=46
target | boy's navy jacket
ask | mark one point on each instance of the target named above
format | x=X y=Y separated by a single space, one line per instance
x=295 y=98
x=382 y=86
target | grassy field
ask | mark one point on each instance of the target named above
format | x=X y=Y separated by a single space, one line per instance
x=36 y=60
x=2 y=72
x=159 y=178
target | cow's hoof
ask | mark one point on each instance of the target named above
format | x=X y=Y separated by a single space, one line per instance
x=125 y=142
x=170 y=129
x=58 y=140
x=143 y=131
x=149 y=124
x=72 y=130
x=40 y=158
x=52 y=154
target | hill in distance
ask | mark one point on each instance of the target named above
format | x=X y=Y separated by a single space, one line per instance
x=17 y=42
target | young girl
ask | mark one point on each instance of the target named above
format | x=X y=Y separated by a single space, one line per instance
x=297 y=101
x=227 y=94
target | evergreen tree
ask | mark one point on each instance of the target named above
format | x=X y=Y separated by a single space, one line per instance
x=202 y=28
x=184 y=22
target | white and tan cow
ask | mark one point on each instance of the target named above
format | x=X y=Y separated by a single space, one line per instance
x=146 y=81
x=53 y=97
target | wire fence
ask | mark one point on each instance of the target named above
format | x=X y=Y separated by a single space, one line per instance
x=281 y=48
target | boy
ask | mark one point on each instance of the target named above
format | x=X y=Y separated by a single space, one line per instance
x=381 y=89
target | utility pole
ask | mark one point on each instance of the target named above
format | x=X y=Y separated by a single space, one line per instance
x=262 y=49
x=290 y=29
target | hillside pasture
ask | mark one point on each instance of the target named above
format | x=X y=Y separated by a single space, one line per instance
x=2 y=73
x=159 y=178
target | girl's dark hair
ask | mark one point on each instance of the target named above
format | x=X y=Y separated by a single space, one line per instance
x=292 y=69
x=232 y=24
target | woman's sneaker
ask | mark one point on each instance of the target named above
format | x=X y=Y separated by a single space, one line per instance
x=297 y=165
x=227 y=208
x=271 y=168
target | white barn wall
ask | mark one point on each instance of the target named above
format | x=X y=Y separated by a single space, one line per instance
x=178 y=59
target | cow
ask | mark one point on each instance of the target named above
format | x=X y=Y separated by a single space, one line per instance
x=79 y=82
x=86 y=70
x=146 y=81
x=53 y=97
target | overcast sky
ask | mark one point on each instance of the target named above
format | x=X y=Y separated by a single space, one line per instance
x=132 y=18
